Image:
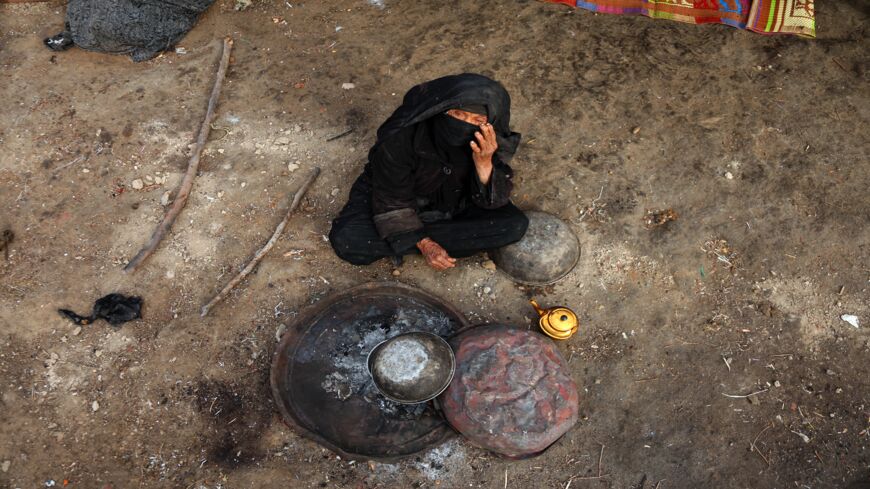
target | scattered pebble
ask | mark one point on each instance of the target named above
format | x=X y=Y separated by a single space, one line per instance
x=5 y=465
x=487 y=290
x=137 y=184
x=164 y=199
x=348 y=86
x=851 y=319
x=291 y=167
x=335 y=191
x=635 y=130
x=77 y=331
x=170 y=273
x=244 y=184
x=729 y=175
x=95 y=406
x=180 y=50
x=776 y=383
x=279 y=333
x=489 y=265
x=397 y=272
x=283 y=141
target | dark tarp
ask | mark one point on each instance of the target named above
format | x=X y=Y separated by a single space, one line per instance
x=140 y=28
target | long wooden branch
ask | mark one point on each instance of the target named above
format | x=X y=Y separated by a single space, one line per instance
x=192 y=166
x=265 y=249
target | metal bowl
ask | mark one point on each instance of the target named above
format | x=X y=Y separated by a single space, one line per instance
x=413 y=367
x=548 y=251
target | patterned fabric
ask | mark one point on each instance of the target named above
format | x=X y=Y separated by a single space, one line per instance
x=763 y=16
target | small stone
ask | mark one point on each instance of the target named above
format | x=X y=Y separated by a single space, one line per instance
x=244 y=184
x=85 y=170
x=77 y=331
x=851 y=319
x=489 y=265
x=729 y=175
x=180 y=50
x=137 y=184
x=283 y=140
x=227 y=166
x=297 y=128
x=776 y=383
x=95 y=406
x=839 y=390
x=220 y=150
x=335 y=191
x=397 y=272
x=170 y=273
x=149 y=179
x=348 y=86
x=291 y=167
x=5 y=465
x=98 y=353
x=635 y=130
x=487 y=290
x=164 y=199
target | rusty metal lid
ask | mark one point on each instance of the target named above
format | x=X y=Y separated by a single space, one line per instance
x=548 y=251
x=512 y=392
x=320 y=378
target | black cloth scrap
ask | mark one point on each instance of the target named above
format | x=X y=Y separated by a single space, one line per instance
x=114 y=308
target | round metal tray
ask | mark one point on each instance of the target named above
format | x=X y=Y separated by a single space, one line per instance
x=320 y=379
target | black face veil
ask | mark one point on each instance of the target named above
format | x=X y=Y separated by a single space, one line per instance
x=433 y=98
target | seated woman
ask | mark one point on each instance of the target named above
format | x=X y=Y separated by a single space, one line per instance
x=437 y=181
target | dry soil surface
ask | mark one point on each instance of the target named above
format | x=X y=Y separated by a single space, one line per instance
x=759 y=144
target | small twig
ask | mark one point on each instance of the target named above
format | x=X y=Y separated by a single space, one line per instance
x=265 y=249
x=73 y=162
x=192 y=166
x=745 y=396
x=505 y=478
x=838 y=64
x=659 y=483
x=600 y=457
x=337 y=136
x=754 y=448
x=589 y=478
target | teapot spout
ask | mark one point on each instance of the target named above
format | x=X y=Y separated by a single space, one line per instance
x=541 y=312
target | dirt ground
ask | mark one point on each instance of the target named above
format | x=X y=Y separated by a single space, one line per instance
x=759 y=144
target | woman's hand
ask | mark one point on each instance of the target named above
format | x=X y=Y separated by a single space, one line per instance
x=482 y=151
x=435 y=255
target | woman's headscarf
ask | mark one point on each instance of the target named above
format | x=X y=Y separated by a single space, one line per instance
x=435 y=97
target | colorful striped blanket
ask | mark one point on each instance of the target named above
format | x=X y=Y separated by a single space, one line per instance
x=763 y=16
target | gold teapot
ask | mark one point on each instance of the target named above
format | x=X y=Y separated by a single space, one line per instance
x=559 y=323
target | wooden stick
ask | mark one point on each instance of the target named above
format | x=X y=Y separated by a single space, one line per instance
x=265 y=249
x=192 y=166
